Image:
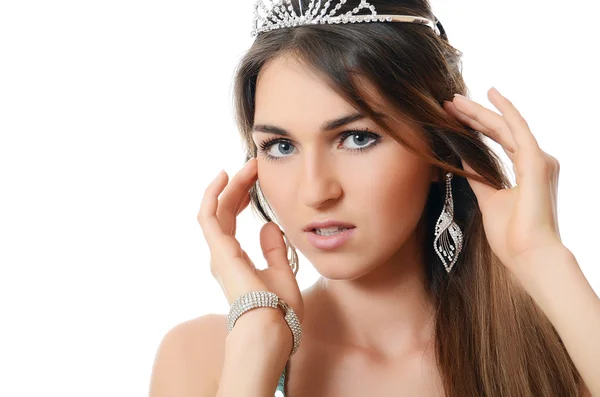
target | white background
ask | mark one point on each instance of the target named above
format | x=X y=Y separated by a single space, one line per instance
x=115 y=115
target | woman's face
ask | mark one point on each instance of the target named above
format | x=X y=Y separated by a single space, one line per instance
x=369 y=181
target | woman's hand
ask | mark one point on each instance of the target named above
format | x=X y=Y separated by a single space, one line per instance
x=520 y=223
x=230 y=264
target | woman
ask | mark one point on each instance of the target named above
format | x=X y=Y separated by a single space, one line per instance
x=438 y=278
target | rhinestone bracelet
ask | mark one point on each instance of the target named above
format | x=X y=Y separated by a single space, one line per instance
x=256 y=299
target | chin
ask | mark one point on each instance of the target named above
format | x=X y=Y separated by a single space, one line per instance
x=347 y=274
x=340 y=265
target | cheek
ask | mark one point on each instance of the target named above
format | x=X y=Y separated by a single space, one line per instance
x=278 y=192
x=395 y=196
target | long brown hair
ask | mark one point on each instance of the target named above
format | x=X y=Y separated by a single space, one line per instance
x=491 y=337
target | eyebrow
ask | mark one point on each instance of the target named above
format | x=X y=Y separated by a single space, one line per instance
x=327 y=126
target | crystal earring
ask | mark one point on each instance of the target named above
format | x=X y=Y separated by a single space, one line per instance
x=291 y=254
x=448 y=237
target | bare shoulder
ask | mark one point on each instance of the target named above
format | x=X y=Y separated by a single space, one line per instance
x=190 y=358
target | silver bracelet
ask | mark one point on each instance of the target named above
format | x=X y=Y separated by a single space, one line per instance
x=256 y=299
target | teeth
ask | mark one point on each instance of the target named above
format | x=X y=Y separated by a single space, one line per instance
x=330 y=231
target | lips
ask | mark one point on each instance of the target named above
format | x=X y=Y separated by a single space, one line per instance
x=331 y=242
x=328 y=223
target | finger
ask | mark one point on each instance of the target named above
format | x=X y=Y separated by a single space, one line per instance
x=243 y=204
x=518 y=126
x=273 y=246
x=234 y=195
x=482 y=191
x=238 y=210
x=490 y=123
x=466 y=120
x=245 y=200
x=207 y=216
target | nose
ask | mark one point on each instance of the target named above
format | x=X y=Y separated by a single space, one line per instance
x=318 y=185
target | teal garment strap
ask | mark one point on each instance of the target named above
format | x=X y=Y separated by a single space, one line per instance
x=280 y=391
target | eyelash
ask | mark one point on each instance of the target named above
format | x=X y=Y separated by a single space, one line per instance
x=266 y=144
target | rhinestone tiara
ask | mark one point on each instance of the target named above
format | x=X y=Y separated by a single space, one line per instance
x=277 y=14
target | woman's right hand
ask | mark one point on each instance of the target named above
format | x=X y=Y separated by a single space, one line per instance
x=230 y=265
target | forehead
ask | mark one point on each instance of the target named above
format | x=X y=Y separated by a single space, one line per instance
x=288 y=91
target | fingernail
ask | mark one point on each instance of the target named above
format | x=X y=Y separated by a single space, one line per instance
x=495 y=89
x=462 y=96
x=219 y=174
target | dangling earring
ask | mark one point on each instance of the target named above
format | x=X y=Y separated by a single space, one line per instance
x=291 y=254
x=446 y=229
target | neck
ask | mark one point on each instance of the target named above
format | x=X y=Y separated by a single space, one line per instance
x=387 y=311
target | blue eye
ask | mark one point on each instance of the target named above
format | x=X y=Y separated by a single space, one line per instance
x=282 y=146
x=364 y=139
x=359 y=138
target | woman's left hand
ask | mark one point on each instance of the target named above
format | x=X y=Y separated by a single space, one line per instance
x=520 y=222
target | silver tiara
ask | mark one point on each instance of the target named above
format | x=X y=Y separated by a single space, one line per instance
x=277 y=14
